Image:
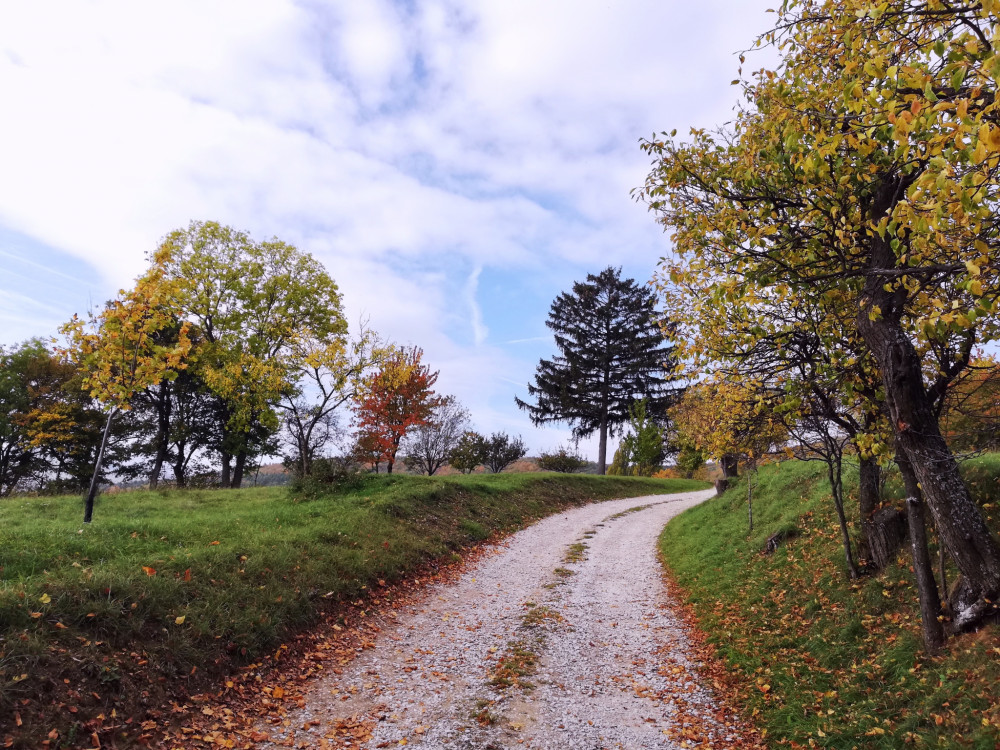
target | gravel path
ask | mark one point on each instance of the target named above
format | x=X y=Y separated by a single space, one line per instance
x=558 y=639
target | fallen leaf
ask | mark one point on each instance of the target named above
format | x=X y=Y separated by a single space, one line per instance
x=45 y=598
x=148 y=570
x=179 y=620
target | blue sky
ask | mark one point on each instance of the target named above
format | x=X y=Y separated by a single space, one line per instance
x=455 y=164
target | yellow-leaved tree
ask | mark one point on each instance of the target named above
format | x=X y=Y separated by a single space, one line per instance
x=118 y=350
x=862 y=176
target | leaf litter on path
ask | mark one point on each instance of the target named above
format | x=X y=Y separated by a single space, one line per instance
x=496 y=656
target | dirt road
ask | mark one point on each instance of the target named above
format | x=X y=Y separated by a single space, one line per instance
x=558 y=639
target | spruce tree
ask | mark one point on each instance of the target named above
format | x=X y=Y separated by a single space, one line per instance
x=611 y=354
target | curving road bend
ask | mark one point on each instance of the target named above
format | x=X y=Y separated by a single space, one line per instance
x=561 y=638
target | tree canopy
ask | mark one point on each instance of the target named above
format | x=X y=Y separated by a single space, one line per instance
x=857 y=188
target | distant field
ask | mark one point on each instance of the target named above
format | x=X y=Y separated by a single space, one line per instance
x=168 y=591
x=822 y=662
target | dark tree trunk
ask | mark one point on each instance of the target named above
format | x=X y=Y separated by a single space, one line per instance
x=239 y=469
x=869 y=487
x=927 y=590
x=883 y=530
x=834 y=473
x=602 y=447
x=930 y=600
x=180 y=466
x=164 y=407
x=885 y=534
x=388 y=467
x=959 y=521
x=88 y=505
x=730 y=466
x=227 y=469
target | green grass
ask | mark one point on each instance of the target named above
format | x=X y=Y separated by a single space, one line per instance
x=818 y=660
x=84 y=625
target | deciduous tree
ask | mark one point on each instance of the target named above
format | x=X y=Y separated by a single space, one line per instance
x=119 y=353
x=468 y=453
x=393 y=402
x=864 y=172
x=430 y=445
x=501 y=450
x=254 y=303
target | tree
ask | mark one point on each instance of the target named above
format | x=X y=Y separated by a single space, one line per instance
x=611 y=353
x=501 y=451
x=393 y=402
x=563 y=460
x=21 y=460
x=119 y=353
x=430 y=445
x=731 y=422
x=863 y=172
x=641 y=450
x=689 y=457
x=468 y=453
x=254 y=304
x=970 y=410
x=327 y=376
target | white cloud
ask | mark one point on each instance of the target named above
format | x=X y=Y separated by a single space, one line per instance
x=406 y=145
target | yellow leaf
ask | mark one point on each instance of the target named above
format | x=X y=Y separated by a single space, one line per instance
x=179 y=620
x=45 y=598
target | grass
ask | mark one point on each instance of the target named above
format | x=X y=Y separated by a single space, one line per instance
x=167 y=592
x=819 y=661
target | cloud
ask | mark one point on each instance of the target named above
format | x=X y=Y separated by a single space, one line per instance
x=479 y=331
x=414 y=148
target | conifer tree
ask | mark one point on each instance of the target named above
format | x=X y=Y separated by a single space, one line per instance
x=611 y=354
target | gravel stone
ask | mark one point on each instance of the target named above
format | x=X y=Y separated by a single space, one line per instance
x=612 y=666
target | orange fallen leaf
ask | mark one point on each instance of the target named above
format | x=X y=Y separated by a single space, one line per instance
x=148 y=570
x=213 y=544
x=278 y=693
x=187 y=574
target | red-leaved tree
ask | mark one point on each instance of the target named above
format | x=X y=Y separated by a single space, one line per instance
x=396 y=399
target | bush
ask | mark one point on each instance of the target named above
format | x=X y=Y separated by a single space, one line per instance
x=562 y=460
x=329 y=475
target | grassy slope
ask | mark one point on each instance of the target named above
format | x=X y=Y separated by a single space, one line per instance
x=823 y=662
x=90 y=617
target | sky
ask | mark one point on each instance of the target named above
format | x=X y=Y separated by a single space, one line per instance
x=455 y=164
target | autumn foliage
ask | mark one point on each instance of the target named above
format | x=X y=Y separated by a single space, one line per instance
x=393 y=401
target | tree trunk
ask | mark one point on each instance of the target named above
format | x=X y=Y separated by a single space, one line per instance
x=750 y=501
x=959 y=521
x=883 y=530
x=602 y=447
x=163 y=411
x=869 y=487
x=930 y=600
x=180 y=466
x=241 y=463
x=833 y=467
x=730 y=466
x=388 y=467
x=88 y=506
x=886 y=533
x=227 y=469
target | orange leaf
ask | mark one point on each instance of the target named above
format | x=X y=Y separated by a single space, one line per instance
x=148 y=570
x=278 y=693
x=187 y=574
x=213 y=544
